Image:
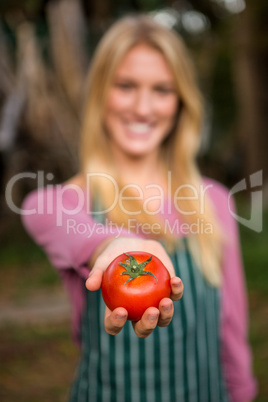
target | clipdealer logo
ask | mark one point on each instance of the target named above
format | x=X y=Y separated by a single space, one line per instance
x=255 y=221
x=47 y=204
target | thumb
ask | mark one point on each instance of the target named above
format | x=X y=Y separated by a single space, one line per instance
x=94 y=279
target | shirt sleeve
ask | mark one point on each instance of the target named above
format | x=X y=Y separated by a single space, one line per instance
x=58 y=221
x=235 y=349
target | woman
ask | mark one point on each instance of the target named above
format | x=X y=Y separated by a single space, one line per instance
x=139 y=189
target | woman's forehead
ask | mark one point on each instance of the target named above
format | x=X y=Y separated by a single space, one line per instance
x=142 y=60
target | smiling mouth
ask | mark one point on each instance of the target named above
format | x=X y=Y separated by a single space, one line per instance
x=139 y=128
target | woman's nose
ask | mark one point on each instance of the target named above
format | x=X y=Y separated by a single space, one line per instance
x=143 y=104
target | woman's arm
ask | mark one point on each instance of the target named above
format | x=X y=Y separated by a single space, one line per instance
x=56 y=218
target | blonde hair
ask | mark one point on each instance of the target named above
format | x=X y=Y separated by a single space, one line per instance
x=178 y=150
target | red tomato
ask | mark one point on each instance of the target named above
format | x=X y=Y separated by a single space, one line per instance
x=135 y=280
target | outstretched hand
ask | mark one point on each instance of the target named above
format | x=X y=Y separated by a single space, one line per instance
x=116 y=319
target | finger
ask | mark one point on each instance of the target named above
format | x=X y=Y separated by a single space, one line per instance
x=166 y=309
x=147 y=323
x=115 y=320
x=176 y=288
x=94 y=280
x=96 y=273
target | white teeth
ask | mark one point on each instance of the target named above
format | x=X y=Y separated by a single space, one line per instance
x=139 y=128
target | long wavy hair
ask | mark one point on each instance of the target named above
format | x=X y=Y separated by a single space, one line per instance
x=178 y=150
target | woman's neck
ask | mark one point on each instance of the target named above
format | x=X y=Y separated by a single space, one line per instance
x=141 y=170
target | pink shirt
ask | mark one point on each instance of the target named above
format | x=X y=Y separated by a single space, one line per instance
x=59 y=221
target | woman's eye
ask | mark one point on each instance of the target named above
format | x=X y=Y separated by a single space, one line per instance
x=163 y=90
x=124 y=86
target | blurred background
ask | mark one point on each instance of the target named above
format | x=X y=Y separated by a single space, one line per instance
x=45 y=51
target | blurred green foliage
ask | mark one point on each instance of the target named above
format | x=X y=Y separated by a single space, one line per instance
x=255 y=256
x=33 y=6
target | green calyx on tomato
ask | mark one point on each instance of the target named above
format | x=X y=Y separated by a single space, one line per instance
x=134 y=269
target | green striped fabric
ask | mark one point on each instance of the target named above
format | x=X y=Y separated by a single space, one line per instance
x=176 y=363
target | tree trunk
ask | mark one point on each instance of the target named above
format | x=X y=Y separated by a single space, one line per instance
x=250 y=68
x=67 y=35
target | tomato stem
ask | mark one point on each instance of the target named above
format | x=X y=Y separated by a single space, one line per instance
x=134 y=269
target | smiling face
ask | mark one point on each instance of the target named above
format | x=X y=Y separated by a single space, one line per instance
x=142 y=103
